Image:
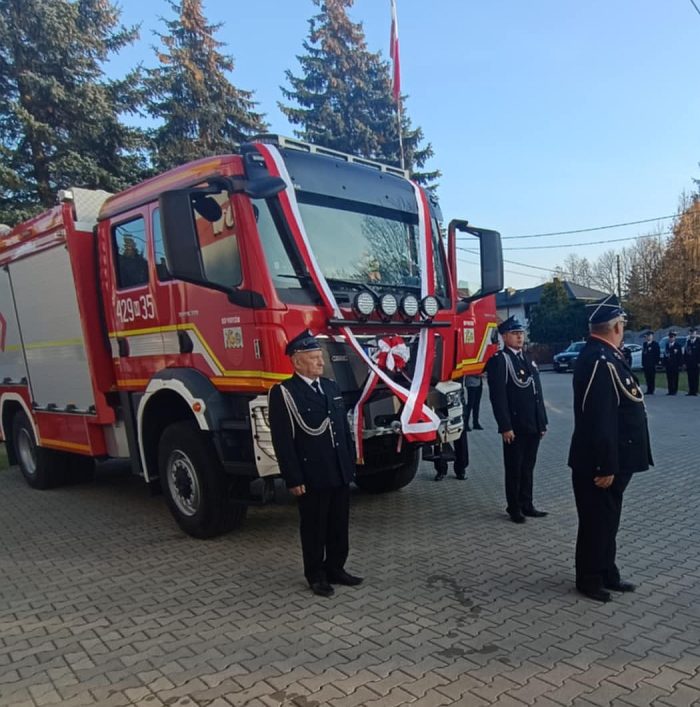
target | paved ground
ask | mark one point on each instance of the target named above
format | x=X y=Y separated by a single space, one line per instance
x=103 y=601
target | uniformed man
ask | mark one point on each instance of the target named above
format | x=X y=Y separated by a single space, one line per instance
x=312 y=441
x=518 y=406
x=651 y=355
x=674 y=360
x=610 y=442
x=692 y=360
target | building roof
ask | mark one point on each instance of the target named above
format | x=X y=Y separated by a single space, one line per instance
x=532 y=295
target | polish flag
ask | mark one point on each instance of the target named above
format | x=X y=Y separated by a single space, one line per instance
x=394 y=54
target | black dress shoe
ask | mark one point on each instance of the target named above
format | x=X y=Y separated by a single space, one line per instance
x=534 y=513
x=517 y=517
x=461 y=475
x=343 y=577
x=440 y=476
x=323 y=589
x=621 y=586
x=596 y=593
x=477 y=426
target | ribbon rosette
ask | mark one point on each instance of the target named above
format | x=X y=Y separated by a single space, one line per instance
x=392 y=353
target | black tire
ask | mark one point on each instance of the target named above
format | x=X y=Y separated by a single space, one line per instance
x=194 y=484
x=390 y=479
x=81 y=469
x=42 y=468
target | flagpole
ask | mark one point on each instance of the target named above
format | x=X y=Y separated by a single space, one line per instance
x=396 y=75
x=398 y=119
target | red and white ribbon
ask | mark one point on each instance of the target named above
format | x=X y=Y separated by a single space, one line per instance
x=392 y=353
x=418 y=422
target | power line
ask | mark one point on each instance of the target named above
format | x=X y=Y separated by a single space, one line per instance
x=695 y=6
x=577 y=245
x=524 y=265
x=594 y=228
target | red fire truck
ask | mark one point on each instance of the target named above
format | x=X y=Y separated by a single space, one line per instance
x=149 y=325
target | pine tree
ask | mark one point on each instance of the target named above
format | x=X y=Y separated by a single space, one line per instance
x=555 y=320
x=59 y=117
x=202 y=112
x=343 y=96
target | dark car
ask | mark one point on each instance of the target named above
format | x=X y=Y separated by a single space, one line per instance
x=662 y=345
x=565 y=360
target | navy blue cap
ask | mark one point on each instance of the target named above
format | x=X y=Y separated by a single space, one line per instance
x=605 y=310
x=509 y=325
x=693 y=330
x=672 y=333
x=302 y=342
x=646 y=333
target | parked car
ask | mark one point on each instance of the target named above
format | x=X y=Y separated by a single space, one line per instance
x=565 y=360
x=636 y=355
x=662 y=345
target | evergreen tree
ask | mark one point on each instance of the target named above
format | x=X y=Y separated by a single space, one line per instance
x=555 y=320
x=59 y=117
x=343 y=96
x=202 y=112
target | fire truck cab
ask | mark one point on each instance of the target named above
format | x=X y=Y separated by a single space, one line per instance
x=149 y=325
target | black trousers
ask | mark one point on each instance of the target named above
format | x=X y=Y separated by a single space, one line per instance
x=324 y=516
x=461 y=447
x=672 y=378
x=473 y=403
x=650 y=377
x=693 y=378
x=598 y=522
x=519 y=459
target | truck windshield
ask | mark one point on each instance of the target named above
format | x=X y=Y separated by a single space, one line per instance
x=354 y=243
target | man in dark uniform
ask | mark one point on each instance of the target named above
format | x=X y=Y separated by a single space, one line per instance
x=518 y=406
x=610 y=442
x=651 y=355
x=692 y=360
x=674 y=361
x=312 y=441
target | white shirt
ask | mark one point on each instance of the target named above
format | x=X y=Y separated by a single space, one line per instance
x=309 y=381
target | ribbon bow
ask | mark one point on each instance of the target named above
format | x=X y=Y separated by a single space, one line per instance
x=392 y=353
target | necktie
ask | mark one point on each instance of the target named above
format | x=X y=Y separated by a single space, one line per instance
x=317 y=387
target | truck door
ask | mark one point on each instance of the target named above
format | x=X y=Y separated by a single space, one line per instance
x=132 y=316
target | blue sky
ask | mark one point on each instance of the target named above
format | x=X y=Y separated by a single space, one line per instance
x=545 y=115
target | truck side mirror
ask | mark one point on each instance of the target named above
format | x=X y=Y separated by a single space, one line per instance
x=264 y=187
x=180 y=242
x=484 y=277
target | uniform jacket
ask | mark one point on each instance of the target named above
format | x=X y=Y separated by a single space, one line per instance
x=610 y=420
x=651 y=354
x=516 y=393
x=317 y=461
x=674 y=355
x=692 y=352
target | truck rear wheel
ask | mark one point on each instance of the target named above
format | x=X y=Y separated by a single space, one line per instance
x=42 y=468
x=390 y=479
x=195 y=486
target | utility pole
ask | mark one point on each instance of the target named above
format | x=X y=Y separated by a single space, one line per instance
x=619 y=285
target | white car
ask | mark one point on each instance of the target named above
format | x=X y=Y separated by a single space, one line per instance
x=636 y=351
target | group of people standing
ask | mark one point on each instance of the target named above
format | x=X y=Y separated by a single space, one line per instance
x=610 y=442
x=675 y=356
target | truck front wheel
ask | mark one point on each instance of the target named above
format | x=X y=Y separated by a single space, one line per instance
x=194 y=484
x=389 y=479
x=42 y=468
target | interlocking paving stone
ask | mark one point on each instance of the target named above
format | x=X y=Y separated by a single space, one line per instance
x=103 y=601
